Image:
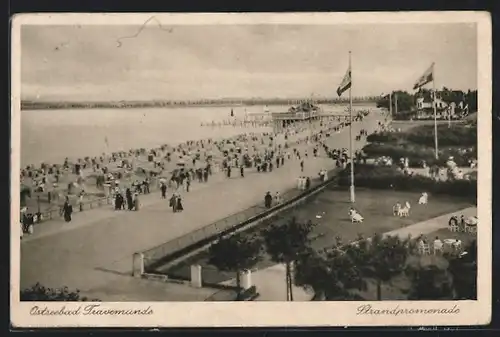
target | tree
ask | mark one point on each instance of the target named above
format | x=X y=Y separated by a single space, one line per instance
x=464 y=272
x=234 y=254
x=333 y=276
x=405 y=102
x=452 y=96
x=286 y=243
x=430 y=279
x=43 y=294
x=380 y=258
x=471 y=100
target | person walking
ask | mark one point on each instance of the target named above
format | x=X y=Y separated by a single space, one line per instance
x=67 y=210
x=136 y=201
x=173 y=202
x=268 y=200
x=179 y=207
x=277 y=198
x=130 y=202
x=163 y=188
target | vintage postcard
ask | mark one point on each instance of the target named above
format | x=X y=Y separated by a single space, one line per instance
x=233 y=170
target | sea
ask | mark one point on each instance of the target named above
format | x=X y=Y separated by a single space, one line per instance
x=49 y=136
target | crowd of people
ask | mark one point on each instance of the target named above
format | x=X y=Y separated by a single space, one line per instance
x=124 y=175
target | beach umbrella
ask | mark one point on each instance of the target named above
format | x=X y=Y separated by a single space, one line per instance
x=472 y=220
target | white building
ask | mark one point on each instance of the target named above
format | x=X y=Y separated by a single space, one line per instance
x=422 y=104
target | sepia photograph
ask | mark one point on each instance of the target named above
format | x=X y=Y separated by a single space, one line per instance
x=274 y=158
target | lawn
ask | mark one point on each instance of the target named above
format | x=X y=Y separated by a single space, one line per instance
x=407 y=125
x=329 y=211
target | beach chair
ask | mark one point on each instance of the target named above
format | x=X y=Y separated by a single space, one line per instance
x=423 y=199
x=469 y=228
x=438 y=247
x=424 y=249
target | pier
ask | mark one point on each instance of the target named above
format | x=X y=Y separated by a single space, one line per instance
x=281 y=120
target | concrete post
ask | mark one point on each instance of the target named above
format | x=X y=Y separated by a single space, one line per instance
x=246 y=279
x=138 y=264
x=196 y=280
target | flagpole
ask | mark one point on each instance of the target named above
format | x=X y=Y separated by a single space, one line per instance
x=449 y=117
x=435 y=113
x=353 y=198
x=390 y=104
x=395 y=103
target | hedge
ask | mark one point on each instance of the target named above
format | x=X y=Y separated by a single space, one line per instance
x=389 y=177
x=387 y=137
x=416 y=154
x=456 y=135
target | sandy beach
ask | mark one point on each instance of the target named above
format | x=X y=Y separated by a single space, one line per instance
x=134 y=165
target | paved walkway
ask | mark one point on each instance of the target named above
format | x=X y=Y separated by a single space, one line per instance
x=96 y=251
x=270 y=282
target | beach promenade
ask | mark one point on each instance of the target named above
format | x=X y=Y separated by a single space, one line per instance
x=94 y=252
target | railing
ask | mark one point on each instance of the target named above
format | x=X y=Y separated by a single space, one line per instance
x=103 y=201
x=89 y=204
x=80 y=207
x=179 y=246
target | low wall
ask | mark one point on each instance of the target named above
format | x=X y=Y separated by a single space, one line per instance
x=185 y=245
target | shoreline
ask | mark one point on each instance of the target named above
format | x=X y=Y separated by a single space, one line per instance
x=27 y=105
x=110 y=151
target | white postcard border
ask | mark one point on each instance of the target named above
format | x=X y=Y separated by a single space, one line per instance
x=247 y=314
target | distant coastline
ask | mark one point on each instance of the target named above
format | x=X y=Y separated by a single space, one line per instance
x=53 y=105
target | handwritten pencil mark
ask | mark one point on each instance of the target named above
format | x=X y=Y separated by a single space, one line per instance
x=60 y=46
x=158 y=23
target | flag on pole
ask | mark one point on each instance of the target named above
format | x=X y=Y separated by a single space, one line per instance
x=465 y=111
x=346 y=83
x=427 y=77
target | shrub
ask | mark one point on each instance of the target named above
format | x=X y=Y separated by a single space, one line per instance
x=456 y=135
x=416 y=154
x=41 y=293
x=386 y=137
x=386 y=177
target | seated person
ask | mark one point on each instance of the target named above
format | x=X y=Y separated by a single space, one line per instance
x=438 y=244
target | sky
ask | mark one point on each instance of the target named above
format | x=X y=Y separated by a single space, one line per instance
x=101 y=63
